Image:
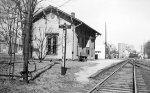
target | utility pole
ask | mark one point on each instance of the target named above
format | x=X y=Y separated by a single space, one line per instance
x=106 y=42
x=63 y=67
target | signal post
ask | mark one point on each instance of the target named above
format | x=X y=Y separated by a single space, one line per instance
x=64 y=27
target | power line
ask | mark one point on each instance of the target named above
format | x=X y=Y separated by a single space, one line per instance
x=64 y=3
x=58 y=6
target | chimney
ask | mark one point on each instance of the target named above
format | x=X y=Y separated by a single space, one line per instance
x=73 y=14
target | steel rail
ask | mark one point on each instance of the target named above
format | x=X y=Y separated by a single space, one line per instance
x=102 y=82
x=134 y=78
x=105 y=69
x=143 y=64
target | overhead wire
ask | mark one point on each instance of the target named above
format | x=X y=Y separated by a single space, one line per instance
x=64 y=3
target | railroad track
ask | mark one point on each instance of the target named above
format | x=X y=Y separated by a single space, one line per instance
x=105 y=70
x=143 y=65
x=141 y=86
x=126 y=78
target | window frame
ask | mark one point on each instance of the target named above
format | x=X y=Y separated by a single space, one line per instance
x=53 y=43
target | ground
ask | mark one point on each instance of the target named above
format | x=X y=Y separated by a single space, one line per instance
x=146 y=73
x=51 y=81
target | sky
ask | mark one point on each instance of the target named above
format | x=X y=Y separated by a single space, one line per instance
x=128 y=21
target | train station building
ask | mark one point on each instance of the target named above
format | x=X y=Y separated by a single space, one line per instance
x=48 y=37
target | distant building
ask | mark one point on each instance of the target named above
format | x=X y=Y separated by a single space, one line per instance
x=124 y=50
x=80 y=38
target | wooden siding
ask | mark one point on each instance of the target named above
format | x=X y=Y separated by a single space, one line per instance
x=80 y=41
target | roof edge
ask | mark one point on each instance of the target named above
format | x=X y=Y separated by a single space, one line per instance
x=39 y=15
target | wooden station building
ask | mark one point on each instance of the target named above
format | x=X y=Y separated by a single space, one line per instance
x=80 y=38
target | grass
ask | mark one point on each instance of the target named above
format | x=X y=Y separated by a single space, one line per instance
x=51 y=81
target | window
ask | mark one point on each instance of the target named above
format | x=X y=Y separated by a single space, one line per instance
x=52 y=44
x=88 y=51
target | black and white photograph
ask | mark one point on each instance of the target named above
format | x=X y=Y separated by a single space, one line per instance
x=74 y=46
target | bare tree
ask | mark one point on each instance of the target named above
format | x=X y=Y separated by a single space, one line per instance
x=9 y=24
x=27 y=9
x=147 y=49
x=40 y=43
x=40 y=40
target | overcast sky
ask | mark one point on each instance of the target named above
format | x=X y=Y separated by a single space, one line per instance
x=128 y=21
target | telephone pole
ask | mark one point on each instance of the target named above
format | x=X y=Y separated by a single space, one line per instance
x=106 y=42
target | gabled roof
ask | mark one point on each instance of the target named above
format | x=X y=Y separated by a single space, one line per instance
x=65 y=16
